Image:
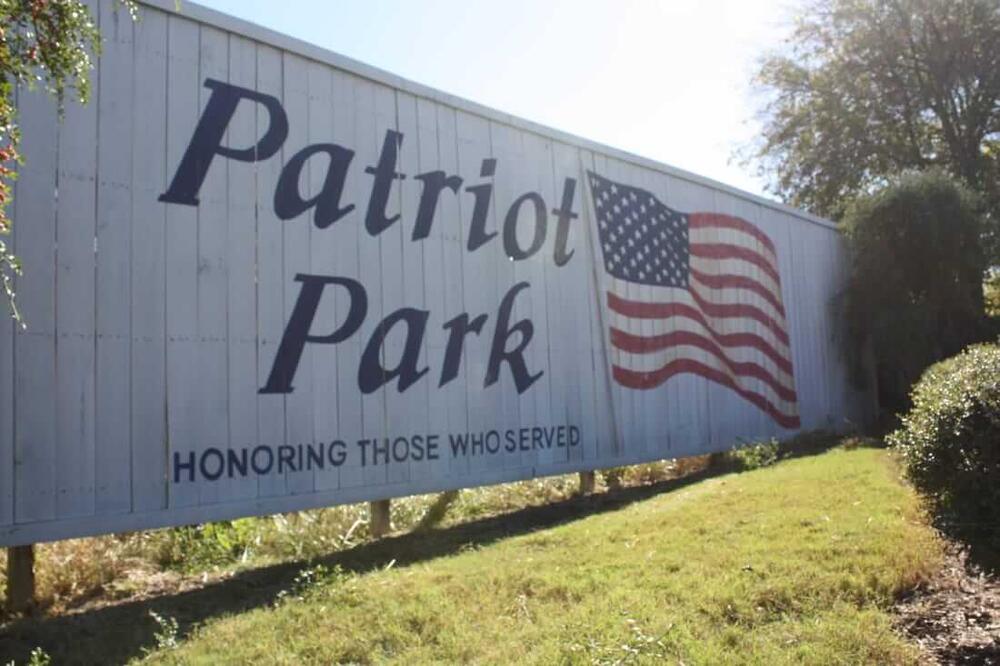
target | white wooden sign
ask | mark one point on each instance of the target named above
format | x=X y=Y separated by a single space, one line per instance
x=261 y=277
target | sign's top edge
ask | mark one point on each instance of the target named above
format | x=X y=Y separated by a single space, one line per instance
x=284 y=42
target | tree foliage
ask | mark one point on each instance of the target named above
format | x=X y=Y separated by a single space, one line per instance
x=43 y=43
x=866 y=89
x=915 y=292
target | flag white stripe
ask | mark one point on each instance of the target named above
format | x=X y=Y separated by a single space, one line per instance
x=724 y=236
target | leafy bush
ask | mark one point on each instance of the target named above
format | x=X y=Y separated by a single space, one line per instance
x=915 y=292
x=754 y=455
x=210 y=544
x=950 y=440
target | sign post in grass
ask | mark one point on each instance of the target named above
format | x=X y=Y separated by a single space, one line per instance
x=20 y=578
x=380 y=524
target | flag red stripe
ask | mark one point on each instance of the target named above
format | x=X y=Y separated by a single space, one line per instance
x=726 y=281
x=708 y=220
x=740 y=310
x=645 y=380
x=638 y=344
x=644 y=310
x=666 y=310
x=725 y=251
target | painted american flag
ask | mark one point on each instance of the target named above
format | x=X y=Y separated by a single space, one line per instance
x=693 y=293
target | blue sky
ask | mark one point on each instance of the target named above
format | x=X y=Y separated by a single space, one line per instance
x=665 y=79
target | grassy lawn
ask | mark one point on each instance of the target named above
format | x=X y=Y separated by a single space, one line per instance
x=794 y=563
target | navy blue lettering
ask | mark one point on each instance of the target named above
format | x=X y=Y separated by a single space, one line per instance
x=459 y=442
x=400 y=454
x=337 y=453
x=371 y=373
x=296 y=335
x=564 y=215
x=515 y=357
x=259 y=467
x=380 y=448
x=458 y=328
x=376 y=220
x=494 y=437
x=203 y=464
x=434 y=183
x=181 y=465
x=510 y=244
x=206 y=142
x=286 y=458
x=482 y=193
x=236 y=461
x=315 y=456
x=288 y=201
x=476 y=443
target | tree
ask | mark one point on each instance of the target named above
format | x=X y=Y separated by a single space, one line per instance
x=866 y=89
x=915 y=292
x=45 y=43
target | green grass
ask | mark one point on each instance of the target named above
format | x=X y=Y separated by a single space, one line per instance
x=793 y=563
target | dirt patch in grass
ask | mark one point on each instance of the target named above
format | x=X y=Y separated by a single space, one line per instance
x=955 y=616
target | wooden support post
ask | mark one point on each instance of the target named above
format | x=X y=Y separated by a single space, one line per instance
x=588 y=482
x=380 y=524
x=20 y=578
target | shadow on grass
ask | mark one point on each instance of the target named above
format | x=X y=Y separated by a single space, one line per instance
x=117 y=633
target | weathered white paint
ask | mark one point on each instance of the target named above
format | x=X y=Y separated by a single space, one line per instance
x=152 y=325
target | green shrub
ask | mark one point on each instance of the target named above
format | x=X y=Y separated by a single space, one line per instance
x=950 y=439
x=207 y=545
x=754 y=455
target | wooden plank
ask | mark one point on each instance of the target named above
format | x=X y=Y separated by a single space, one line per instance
x=212 y=381
x=113 y=459
x=450 y=229
x=478 y=282
x=368 y=142
x=695 y=432
x=492 y=275
x=540 y=274
x=323 y=251
x=7 y=381
x=408 y=412
x=573 y=346
x=802 y=325
x=391 y=257
x=184 y=85
x=628 y=400
x=607 y=401
x=346 y=235
x=34 y=362
x=439 y=399
x=270 y=277
x=148 y=305
x=241 y=262
x=76 y=225
x=298 y=234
